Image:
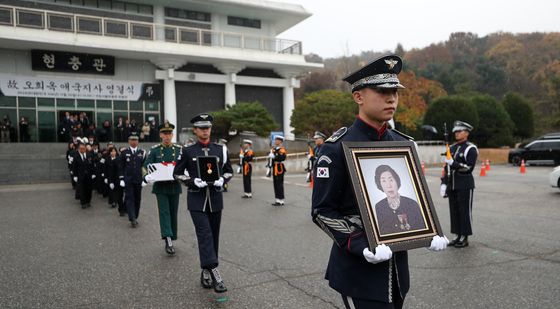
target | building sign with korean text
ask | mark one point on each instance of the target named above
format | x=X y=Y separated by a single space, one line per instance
x=55 y=61
x=72 y=88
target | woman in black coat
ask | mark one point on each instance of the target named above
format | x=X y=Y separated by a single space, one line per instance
x=112 y=174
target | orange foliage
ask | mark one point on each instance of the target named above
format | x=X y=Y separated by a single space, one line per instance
x=414 y=100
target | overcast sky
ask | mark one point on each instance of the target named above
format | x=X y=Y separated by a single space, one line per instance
x=343 y=27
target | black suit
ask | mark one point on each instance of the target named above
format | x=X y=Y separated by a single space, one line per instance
x=83 y=169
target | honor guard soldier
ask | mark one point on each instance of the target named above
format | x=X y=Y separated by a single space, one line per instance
x=278 y=155
x=83 y=173
x=365 y=279
x=246 y=157
x=167 y=192
x=132 y=159
x=205 y=200
x=458 y=185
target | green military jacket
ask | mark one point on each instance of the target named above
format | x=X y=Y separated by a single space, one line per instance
x=160 y=154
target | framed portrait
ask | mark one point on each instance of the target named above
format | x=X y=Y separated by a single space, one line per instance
x=208 y=168
x=395 y=203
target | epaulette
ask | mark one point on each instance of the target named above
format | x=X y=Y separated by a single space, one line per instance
x=337 y=135
x=154 y=146
x=410 y=138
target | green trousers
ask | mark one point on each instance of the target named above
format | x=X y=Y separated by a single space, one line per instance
x=168 y=206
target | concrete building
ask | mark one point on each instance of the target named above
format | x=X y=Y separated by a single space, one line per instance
x=145 y=60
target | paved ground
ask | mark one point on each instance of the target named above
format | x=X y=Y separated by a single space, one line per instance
x=55 y=255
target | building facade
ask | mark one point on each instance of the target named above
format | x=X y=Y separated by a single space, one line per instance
x=145 y=60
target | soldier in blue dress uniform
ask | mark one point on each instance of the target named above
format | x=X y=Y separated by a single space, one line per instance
x=459 y=184
x=364 y=278
x=131 y=179
x=204 y=200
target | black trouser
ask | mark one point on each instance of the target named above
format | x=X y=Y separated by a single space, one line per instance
x=359 y=303
x=278 y=181
x=460 y=211
x=116 y=197
x=83 y=190
x=133 y=197
x=247 y=178
x=207 y=226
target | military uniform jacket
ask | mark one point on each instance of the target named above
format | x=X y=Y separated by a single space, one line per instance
x=131 y=165
x=464 y=160
x=83 y=169
x=336 y=212
x=168 y=155
x=280 y=155
x=208 y=198
x=248 y=155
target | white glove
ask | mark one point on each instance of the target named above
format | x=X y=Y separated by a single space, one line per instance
x=449 y=161
x=75 y=179
x=102 y=174
x=271 y=155
x=149 y=178
x=220 y=182
x=438 y=243
x=144 y=183
x=241 y=156
x=122 y=183
x=199 y=183
x=112 y=186
x=442 y=190
x=308 y=156
x=382 y=254
x=93 y=176
x=106 y=181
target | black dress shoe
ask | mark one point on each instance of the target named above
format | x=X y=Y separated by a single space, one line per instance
x=122 y=214
x=454 y=241
x=169 y=246
x=206 y=279
x=84 y=206
x=217 y=282
x=462 y=243
x=277 y=204
x=134 y=223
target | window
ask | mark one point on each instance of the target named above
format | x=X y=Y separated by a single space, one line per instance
x=116 y=28
x=60 y=22
x=120 y=105
x=131 y=7
x=187 y=14
x=26 y=102
x=5 y=16
x=244 y=22
x=47 y=102
x=30 y=19
x=65 y=103
x=104 y=104
x=118 y=6
x=136 y=105
x=89 y=25
x=7 y=101
x=104 y=4
x=145 y=9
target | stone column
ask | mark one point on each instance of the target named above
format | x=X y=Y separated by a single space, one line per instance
x=169 y=95
x=231 y=70
x=288 y=100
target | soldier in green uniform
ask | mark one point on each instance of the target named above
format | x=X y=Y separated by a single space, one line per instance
x=167 y=192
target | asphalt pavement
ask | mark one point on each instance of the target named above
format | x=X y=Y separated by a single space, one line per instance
x=53 y=254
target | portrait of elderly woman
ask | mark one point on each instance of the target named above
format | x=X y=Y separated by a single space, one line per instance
x=395 y=213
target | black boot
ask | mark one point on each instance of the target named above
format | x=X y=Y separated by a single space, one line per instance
x=169 y=246
x=217 y=282
x=454 y=241
x=206 y=279
x=463 y=242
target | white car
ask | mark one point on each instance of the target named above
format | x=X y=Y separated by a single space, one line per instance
x=554 y=177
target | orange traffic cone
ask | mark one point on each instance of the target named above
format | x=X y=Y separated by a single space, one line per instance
x=522 y=169
x=423 y=168
x=487 y=164
x=483 y=170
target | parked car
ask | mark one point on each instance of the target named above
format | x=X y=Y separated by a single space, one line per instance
x=544 y=150
x=554 y=177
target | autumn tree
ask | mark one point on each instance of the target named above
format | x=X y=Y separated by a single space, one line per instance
x=323 y=110
x=414 y=100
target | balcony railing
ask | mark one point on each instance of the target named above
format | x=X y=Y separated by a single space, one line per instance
x=112 y=27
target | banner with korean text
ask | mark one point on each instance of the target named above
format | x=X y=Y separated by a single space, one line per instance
x=70 y=88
